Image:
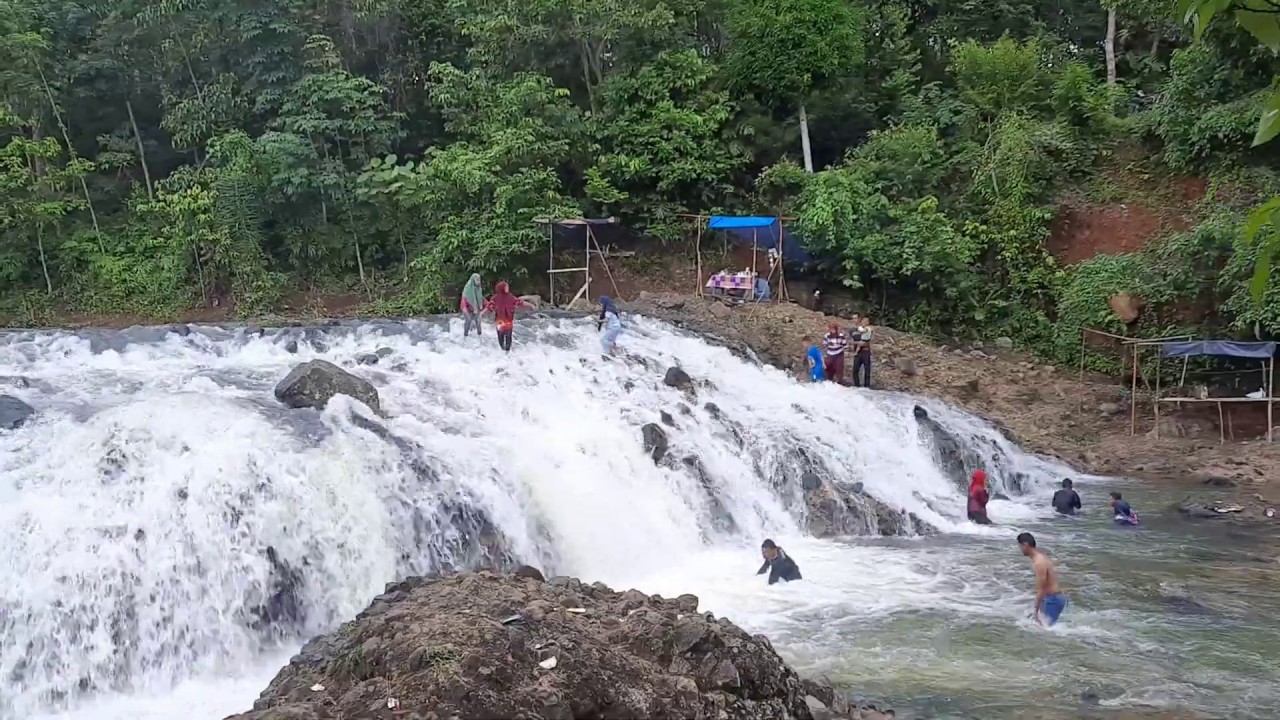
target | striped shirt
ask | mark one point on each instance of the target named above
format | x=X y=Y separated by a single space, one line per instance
x=835 y=343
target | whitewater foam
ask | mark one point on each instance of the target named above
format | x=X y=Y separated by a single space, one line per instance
x=137 y=506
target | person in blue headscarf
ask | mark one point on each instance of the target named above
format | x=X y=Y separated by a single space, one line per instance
x=610 y=321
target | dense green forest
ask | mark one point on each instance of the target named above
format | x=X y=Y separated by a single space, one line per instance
x=156 y=156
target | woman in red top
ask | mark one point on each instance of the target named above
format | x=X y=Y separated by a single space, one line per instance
x=978 y=497
x=504 y=304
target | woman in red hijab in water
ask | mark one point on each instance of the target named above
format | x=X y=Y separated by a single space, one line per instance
x=504 y=304
x=978 y=498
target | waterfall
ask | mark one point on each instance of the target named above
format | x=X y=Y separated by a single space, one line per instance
x=163 y=517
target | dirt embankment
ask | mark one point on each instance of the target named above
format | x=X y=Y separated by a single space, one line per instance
x=1046 y=409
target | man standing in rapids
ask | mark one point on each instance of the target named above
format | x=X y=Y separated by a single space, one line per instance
x=1050 y=600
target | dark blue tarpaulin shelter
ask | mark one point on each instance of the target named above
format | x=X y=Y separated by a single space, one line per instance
x=1182 y=348
x=762 y=231
x=1225 y=348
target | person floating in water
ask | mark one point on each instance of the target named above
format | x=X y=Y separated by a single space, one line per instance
x=472 y=304
x=612 y=324
x=1125 y=513
x=778 y=563
x=1066 y=501
x=835 y=343
x=978 y=498
x=1050 y=600
x=504 y=304
x=813 y=357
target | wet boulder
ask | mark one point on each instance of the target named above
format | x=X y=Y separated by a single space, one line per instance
x=284 y=609
x=721 y=519
x=367 y=359
x=13 y=412
x=1196 y=511
x=312 y=384
x=655 y=441
x=678 y=379
x=479 y=645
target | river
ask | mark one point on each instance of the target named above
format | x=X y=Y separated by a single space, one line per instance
x=136 y=506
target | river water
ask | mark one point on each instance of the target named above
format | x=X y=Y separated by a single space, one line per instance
x=137 y=506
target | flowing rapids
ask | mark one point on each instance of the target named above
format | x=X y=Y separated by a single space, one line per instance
x=170 y=532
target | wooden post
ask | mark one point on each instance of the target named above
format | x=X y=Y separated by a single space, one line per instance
x=1083 y=334
x=587 y=246
x=600 y=251
x=1271 y=382
x=1133 y=395
x=1156 y=401
x=551 y=266
x=755 y=243
x=698 y=249
x=1222 y=432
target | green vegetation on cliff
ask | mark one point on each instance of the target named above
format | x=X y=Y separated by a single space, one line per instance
x=156 y=156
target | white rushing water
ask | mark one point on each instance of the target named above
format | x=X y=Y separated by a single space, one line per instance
x=137 y=506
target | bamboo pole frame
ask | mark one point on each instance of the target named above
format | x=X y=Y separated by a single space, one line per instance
x=1224 y=415
x=587 y=243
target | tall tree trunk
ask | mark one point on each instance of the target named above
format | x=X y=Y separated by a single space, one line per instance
x=71 y=152
x=44 y=264
x=1110 y=46
x=1155 y=44
x=142 y=151
x=804 y=139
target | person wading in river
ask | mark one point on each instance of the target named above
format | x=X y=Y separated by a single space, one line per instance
x=778 y=563
x=1066 y=501
x=504 y=304
x=978 y=498
x=1050 y=600
x=471 y=305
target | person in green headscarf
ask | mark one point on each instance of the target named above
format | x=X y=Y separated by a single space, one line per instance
x=472 y=304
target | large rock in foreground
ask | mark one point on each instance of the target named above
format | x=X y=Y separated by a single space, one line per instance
x=312 y=384
x=477 y=646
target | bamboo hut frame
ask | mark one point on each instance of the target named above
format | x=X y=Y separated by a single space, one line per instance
x=1268 y=371
x=590 y=245
x=700 y=221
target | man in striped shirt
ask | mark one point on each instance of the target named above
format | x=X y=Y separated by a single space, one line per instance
x=834 y=345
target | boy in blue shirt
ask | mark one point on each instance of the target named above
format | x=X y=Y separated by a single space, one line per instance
x=813 y=356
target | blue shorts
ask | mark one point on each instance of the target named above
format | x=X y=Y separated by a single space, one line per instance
x=1053 y=606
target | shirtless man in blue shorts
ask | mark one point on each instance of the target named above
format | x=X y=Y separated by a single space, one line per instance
x=1050 y=601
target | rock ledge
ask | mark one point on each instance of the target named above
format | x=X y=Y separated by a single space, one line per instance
x=479 y=645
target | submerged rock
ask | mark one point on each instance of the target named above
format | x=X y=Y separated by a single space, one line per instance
x=722 y=520
x=655 y=441
x=313 y=383
x=441 y=648
x=13 y=412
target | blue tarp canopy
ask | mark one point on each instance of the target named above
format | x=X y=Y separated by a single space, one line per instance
x=764 y=231
x=1228 y=348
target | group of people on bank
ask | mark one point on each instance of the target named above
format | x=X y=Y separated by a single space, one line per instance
x=828 y=362
x=503 y=304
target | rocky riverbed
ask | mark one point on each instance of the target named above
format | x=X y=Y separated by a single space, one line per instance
x=479 y=646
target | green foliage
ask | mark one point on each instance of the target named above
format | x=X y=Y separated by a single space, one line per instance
x=780 y=50
x=159 y=156
x=1004 y=76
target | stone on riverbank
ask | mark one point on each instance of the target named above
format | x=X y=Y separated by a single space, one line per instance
x=478 y=645
x=312 y=384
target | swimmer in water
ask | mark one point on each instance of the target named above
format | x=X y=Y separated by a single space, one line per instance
x=1124 y=511
x=778 y=563
x=1050 y=600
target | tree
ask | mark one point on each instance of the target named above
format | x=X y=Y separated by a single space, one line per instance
x=781 y=51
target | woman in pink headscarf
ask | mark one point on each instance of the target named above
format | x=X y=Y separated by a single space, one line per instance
x=978 y=497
